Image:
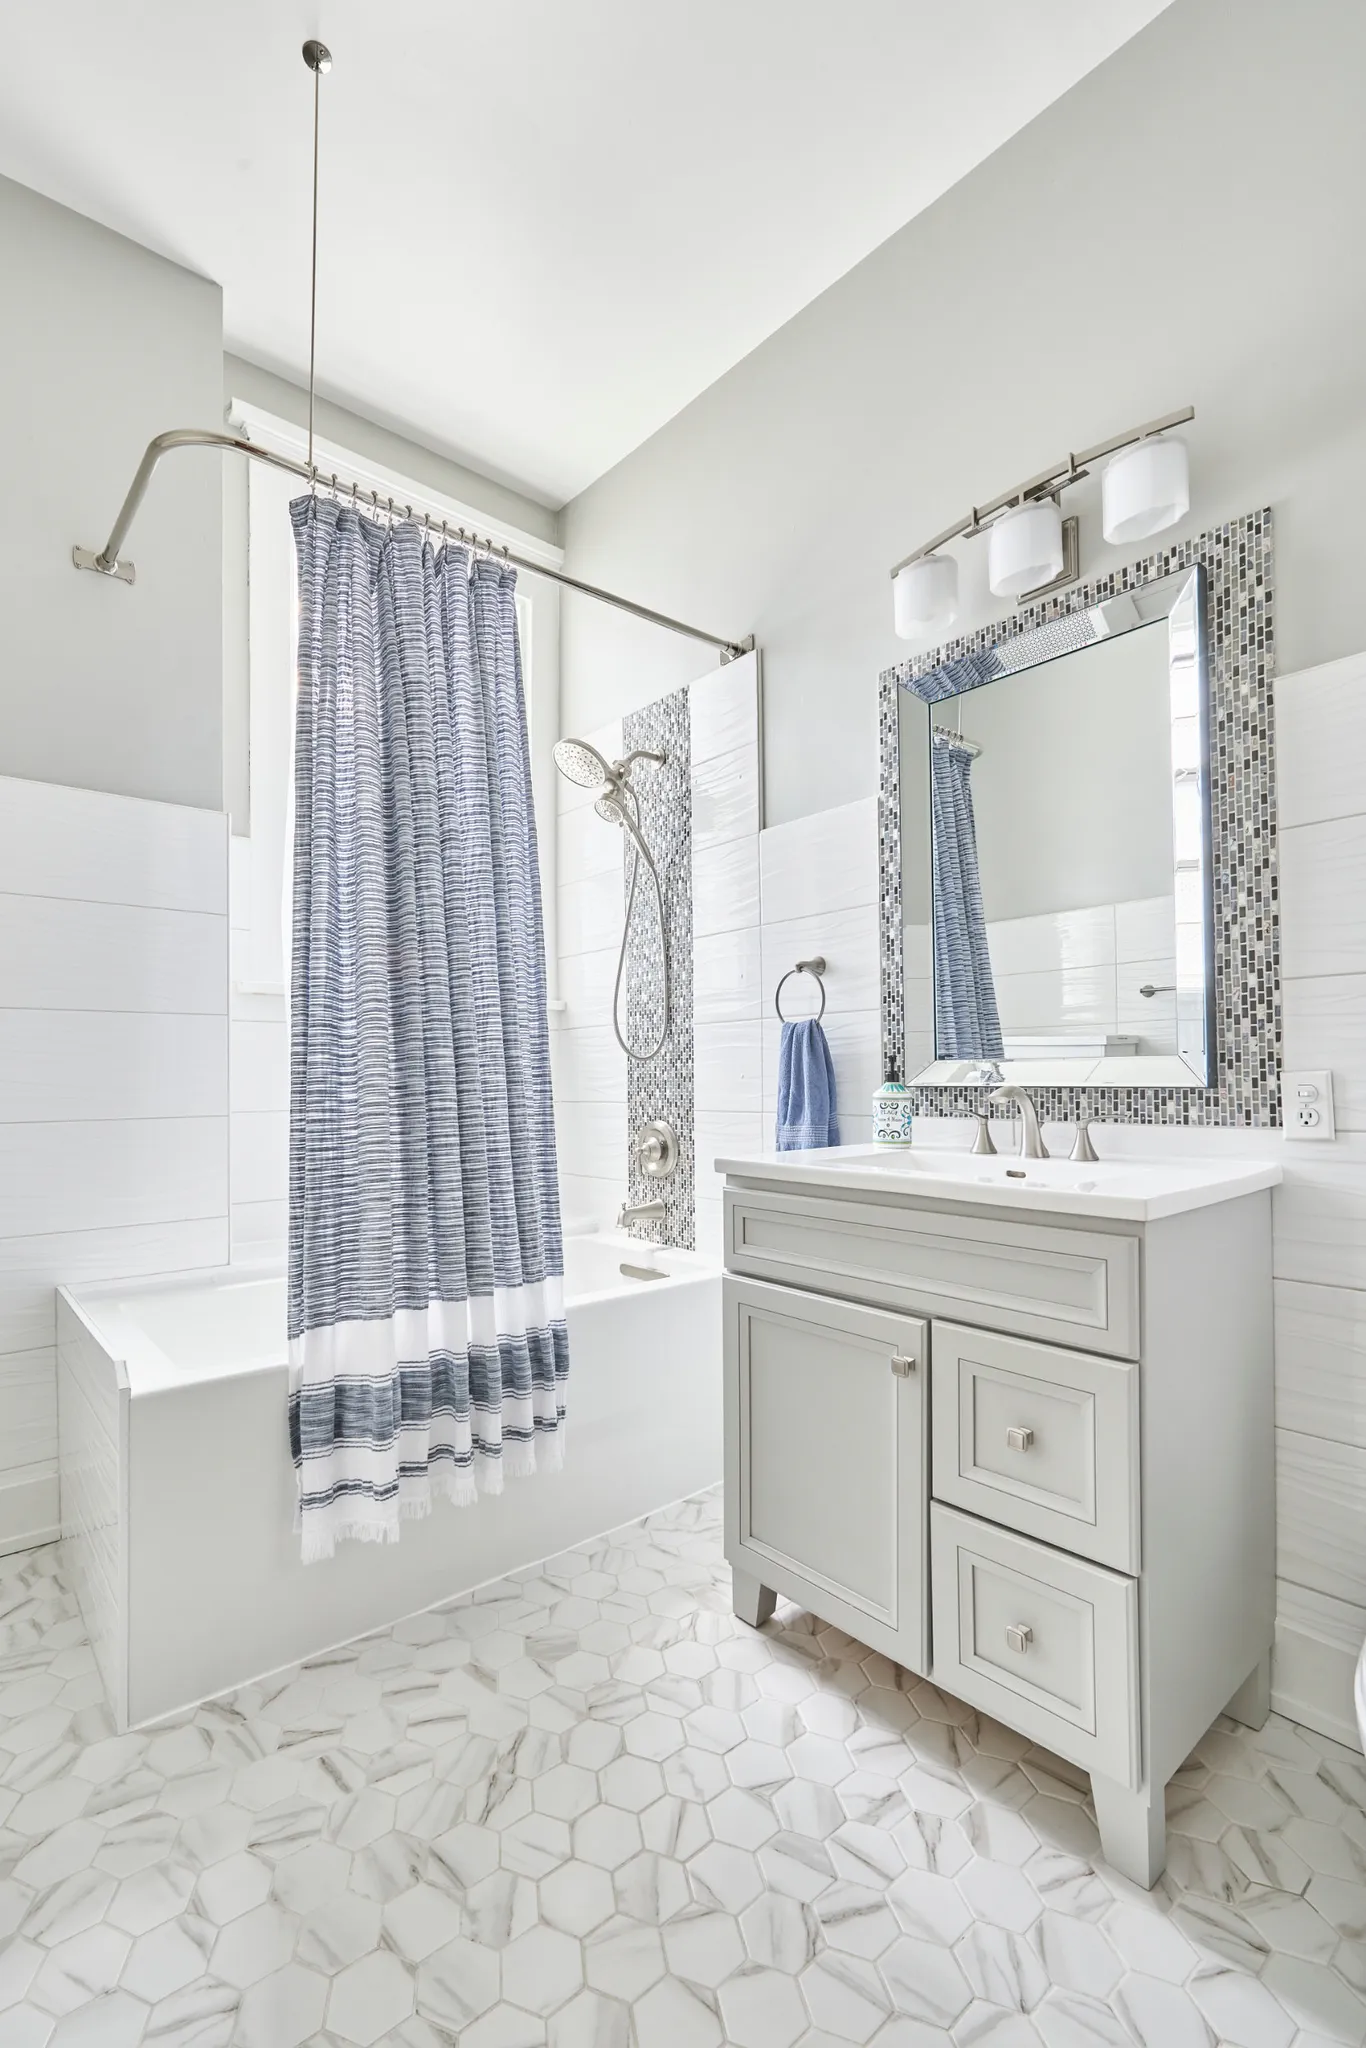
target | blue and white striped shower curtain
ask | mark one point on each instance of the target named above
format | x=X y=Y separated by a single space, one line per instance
x=966 y=1022
x=427 y=1340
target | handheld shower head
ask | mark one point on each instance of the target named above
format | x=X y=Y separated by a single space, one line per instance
x=580 y=763
x=616 y=808
x=618 y=804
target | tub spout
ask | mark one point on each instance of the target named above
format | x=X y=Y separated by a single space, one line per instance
x=640 y=1212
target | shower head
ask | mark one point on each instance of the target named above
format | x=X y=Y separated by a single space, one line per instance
x=617 y=806
x=580 y=763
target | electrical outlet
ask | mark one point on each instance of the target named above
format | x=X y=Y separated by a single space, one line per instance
x=1307 y=1107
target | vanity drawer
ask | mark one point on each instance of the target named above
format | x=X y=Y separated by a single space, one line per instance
x=1045 y=1642
x=1037 y=1280
x=1043 y=1440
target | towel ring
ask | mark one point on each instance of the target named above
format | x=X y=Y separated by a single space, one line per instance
x=815 y=968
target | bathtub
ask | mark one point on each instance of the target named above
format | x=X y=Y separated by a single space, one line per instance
x=178 y=1490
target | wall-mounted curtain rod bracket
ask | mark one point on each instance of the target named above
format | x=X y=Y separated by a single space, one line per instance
x=1047 y=484
x=108 y=562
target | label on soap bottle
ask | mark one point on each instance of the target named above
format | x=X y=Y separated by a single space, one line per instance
x=892 y=1114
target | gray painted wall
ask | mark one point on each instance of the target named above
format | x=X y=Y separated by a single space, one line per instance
x=1185 y=225
x=103 y=345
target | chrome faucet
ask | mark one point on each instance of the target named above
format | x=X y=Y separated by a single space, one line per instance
x=1032 y=1145
x=640 y=1212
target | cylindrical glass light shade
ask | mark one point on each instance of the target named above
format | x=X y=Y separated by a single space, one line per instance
x=1145 y=489
x=925 y=594
x=1024 y=548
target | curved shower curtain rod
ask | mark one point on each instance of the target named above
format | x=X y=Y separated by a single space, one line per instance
x=109 y=563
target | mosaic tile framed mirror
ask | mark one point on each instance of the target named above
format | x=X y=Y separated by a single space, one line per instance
x=1077 y=842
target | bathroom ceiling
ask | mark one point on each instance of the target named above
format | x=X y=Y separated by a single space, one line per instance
x=546 y=226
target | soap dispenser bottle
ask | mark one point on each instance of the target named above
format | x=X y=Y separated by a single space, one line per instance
x=892 y=1114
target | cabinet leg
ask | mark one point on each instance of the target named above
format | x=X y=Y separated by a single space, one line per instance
x=1133 y=1829
x=1252 y=1702
x=752 y=1601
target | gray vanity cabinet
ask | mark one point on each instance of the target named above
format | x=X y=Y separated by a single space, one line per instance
x=1022 y=1455
x=827 y=1463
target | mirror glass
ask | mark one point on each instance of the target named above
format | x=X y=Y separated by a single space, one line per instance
x=1055 y=834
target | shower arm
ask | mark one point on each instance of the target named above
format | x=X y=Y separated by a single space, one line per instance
x=108 y=561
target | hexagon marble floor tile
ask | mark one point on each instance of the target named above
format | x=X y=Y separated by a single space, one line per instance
x=585 y=1807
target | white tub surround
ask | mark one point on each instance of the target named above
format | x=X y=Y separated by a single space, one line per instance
x=178 y=1486
x=1016 y=1434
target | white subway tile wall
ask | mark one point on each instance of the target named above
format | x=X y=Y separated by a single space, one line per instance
x=113 y=1081
x=259 y=1089
x=819 y=892
x=728 y=992
x=588 y=1066
x=1320 y=1231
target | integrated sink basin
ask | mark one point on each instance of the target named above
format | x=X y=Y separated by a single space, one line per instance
x=1133 y=1190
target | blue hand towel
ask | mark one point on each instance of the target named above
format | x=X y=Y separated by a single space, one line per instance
x=806 y=1088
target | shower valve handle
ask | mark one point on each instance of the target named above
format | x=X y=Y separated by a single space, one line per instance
x=655 y=1150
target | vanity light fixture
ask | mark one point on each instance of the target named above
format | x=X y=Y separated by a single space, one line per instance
x=1145 y=489
x=1024 y=547
x=1030 y=549
x=925 y=595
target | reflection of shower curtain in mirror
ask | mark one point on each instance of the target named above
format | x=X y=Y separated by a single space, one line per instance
x=966 y=1023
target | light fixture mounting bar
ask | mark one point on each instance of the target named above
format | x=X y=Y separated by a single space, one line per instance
x=1046 y=484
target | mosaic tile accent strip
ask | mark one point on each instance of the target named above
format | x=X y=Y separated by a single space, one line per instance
x=663 y=1087
x=585 y=1807
x=1240 y=626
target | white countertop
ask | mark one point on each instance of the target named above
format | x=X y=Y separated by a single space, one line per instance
x=1127 y=1190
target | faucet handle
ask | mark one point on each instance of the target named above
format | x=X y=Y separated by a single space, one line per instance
x=1083 y=1151
x=983 y=1143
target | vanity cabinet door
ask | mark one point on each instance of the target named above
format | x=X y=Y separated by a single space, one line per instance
x=827 y=1487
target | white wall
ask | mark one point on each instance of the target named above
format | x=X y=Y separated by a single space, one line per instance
x=1320 y=1235
x=1180 y=227
x=102 y=346
x=258 y=1037
x=818 y=881
x=113 y=902
x=113 y=1081
x=587 y=1064
x=728 y=987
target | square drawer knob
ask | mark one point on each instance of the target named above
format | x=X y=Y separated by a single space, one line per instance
x=1019 y=1439
x=903 y=1367
x=1019 y=1636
